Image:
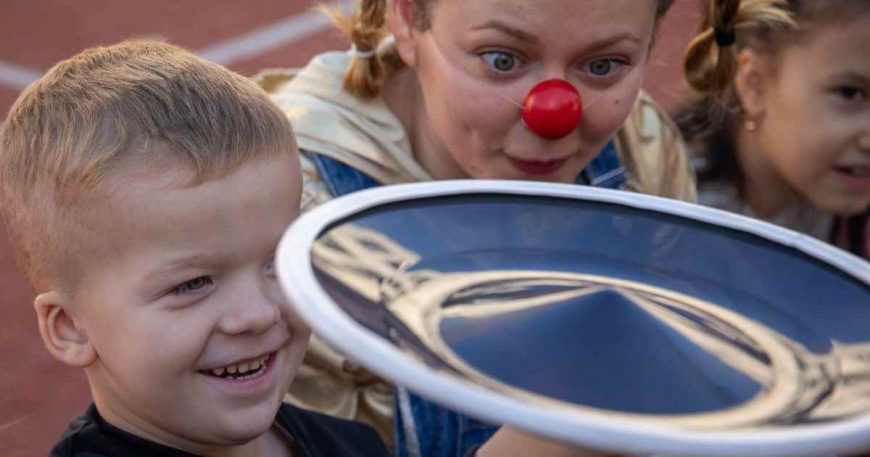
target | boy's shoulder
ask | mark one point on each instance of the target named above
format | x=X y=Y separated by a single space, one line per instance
x=313 y=434
x=90 y=436
x=317 y=434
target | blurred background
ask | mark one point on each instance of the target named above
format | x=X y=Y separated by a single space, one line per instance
x=38 y=396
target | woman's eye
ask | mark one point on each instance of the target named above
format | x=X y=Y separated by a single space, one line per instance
x=270 y=267
x=500 y=61
x=193 y=286
x=603 y=67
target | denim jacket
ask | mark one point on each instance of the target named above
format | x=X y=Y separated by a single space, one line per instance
x=422 y=428
x=605 y=170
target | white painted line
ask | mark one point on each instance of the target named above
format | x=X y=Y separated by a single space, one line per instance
x=270 y=37
x=242 y=47
x=16 y=76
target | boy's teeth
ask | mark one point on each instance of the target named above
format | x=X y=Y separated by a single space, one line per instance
x=242 y=367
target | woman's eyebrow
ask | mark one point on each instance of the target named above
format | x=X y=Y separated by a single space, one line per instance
x=612 y=40
x=507 y=29
x=529 y=38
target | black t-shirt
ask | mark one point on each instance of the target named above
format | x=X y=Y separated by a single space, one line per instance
x=312 y=434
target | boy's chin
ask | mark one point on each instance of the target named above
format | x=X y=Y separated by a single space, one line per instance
x=245 y=429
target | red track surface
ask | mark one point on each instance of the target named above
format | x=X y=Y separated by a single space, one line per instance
x=38 y=396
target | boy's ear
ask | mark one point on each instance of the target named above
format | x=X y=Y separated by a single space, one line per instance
x=753 y=73
x=401 y=22
x=60 y=333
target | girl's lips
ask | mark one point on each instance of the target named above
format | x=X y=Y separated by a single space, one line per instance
x=855 y=179
x=537 y=167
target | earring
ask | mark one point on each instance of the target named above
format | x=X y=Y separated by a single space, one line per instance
x=750 y=125
x=751 y=121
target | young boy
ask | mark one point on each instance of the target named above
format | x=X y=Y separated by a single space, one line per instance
x=145 y=190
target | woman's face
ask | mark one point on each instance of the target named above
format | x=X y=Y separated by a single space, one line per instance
x=814 y=130
x=478 y=59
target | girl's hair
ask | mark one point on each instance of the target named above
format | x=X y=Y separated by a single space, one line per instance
x=367 y=29
x=767 y=27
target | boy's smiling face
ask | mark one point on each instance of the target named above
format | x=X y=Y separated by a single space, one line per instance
x=188 y=295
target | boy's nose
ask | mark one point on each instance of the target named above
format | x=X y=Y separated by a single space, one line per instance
x=864 y=140
x=255 y=315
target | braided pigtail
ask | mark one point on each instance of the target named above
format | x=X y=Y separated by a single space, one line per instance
x=712 y=119
x=711 y=58
x=372 y=62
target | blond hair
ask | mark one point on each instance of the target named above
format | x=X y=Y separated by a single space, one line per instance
x=766 y=27
x=710 y=67
x=365 y=76
x=137 y=102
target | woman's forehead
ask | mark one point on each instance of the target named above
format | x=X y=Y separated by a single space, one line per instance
x=569 y=24
x=546 y=14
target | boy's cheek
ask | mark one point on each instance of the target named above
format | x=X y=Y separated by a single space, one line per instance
x=296 y=324
x=302 y=329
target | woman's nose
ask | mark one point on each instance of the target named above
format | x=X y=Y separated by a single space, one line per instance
x=553 y=109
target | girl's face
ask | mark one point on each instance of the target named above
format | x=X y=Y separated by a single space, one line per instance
x=814 y=132
x=478 y=59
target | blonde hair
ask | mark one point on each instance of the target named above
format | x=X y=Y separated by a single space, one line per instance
x=137 y=102
x=710 y=67
x=764 y=26
x=365 y=76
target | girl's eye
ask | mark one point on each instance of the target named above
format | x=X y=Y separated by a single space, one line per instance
x=850 y=93
x=193 y=286
x=603 y=67
x=500 y=61
x=270 y=268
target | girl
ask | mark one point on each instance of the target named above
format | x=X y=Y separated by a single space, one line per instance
x=784 y=123
x=444 y=89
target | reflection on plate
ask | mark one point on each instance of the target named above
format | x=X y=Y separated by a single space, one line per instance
x=605 y=318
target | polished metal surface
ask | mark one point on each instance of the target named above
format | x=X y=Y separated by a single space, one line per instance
x=581 y=305
x=608 y=319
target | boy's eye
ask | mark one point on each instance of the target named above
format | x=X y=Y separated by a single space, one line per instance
x=500 y=61
x=193 y=286
x=603 y=67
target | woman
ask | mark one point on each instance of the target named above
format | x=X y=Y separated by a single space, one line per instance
x=443 y=89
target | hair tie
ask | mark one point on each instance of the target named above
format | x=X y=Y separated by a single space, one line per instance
x=724 y=37
x=383 y=47
x=361 y=54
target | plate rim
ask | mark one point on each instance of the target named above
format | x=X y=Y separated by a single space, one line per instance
x=297 y=280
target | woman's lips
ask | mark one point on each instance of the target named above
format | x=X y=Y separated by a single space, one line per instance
x=537 y=167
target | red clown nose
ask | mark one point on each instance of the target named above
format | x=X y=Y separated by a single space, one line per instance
x=553 y=108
